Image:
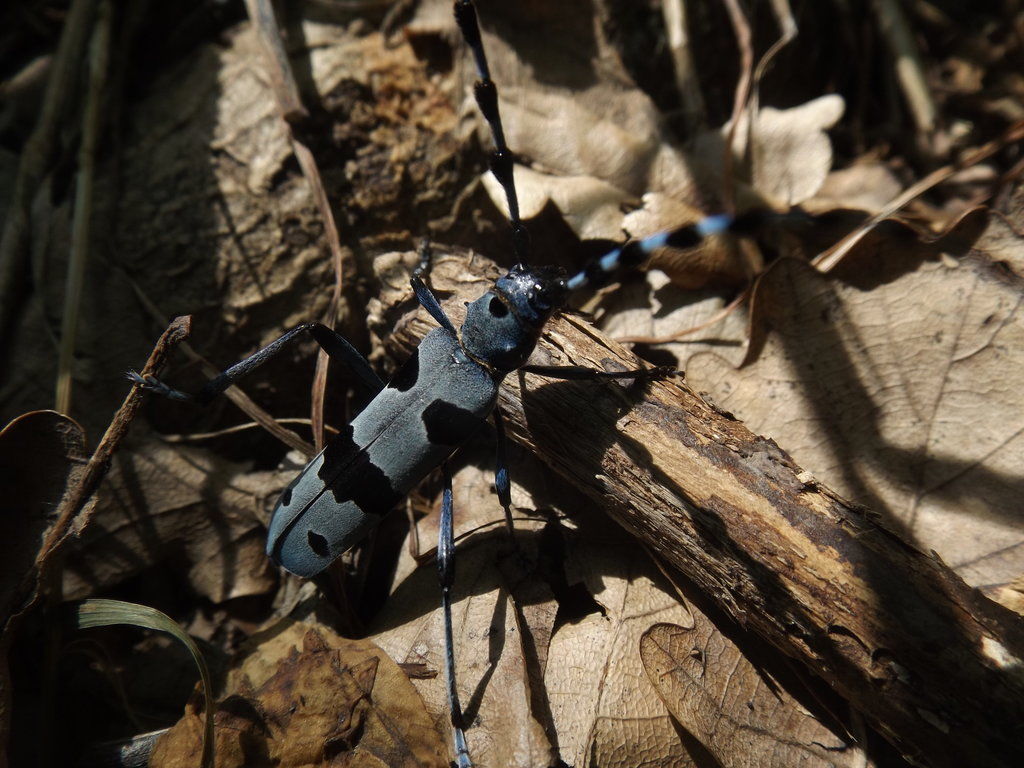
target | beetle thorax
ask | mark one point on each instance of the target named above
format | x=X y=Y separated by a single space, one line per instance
x=502 y=326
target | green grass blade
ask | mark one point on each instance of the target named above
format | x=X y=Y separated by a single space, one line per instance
x=105 y=613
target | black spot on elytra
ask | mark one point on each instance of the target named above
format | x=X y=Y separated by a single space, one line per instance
x=318 y=543
x=286 y=497
x=497 y=307
x=448 y=424
x=407 y=375
x=349 y=475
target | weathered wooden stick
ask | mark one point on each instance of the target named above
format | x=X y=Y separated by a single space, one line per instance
x=938 y=667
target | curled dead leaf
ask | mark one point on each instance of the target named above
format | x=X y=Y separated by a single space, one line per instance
x=592 y=208
x=305 y=697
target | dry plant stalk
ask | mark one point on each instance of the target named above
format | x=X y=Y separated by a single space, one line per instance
x=931 y=661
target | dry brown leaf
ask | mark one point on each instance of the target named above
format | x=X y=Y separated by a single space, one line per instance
x=896 y=385
x=738 y=714
x=306 y=697
x=182 y=504
x=604 y=707
x=573 y=110
x=1010 y=595
x=791 y=156
x=496 y=676
x=1003 y=242
x=865 y=186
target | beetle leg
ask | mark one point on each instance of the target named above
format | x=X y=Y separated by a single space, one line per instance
x=430 y=303
x=578 y=372
x=502 y=485
x=332 y=342
x=425 y=296
x=446 y=575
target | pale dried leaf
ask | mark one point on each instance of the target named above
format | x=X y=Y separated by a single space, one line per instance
x=572 y=110
x=738 y=714
x=592 y=208
x=1004 y=242
x=866 y=186
x=1010 y=595
x=655 y=307
x=790 y=152
x=898 y=388
x=604 y=707
x=494 y=672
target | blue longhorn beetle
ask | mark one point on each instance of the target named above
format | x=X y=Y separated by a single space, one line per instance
x=440 y=397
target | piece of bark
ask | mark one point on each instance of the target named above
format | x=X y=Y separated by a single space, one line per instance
x=935 y=664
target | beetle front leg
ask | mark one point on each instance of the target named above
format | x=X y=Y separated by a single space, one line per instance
x=332 y=342
x=424 y=295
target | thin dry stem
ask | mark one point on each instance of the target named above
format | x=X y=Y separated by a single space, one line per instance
x=674 y=13
x=743 y=39
x=81 y=229
x=909 y=69
x=827 y=260
x=286 y=91
x=35 y=156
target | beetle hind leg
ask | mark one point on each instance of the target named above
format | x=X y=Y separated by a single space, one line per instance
x=446 y=575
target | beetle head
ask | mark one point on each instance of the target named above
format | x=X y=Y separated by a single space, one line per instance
x=502 y=326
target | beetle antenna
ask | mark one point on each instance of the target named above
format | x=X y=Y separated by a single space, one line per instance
x=486 y=93
x=635 y=252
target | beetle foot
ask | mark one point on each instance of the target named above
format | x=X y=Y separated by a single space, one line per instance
x=154 y=385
